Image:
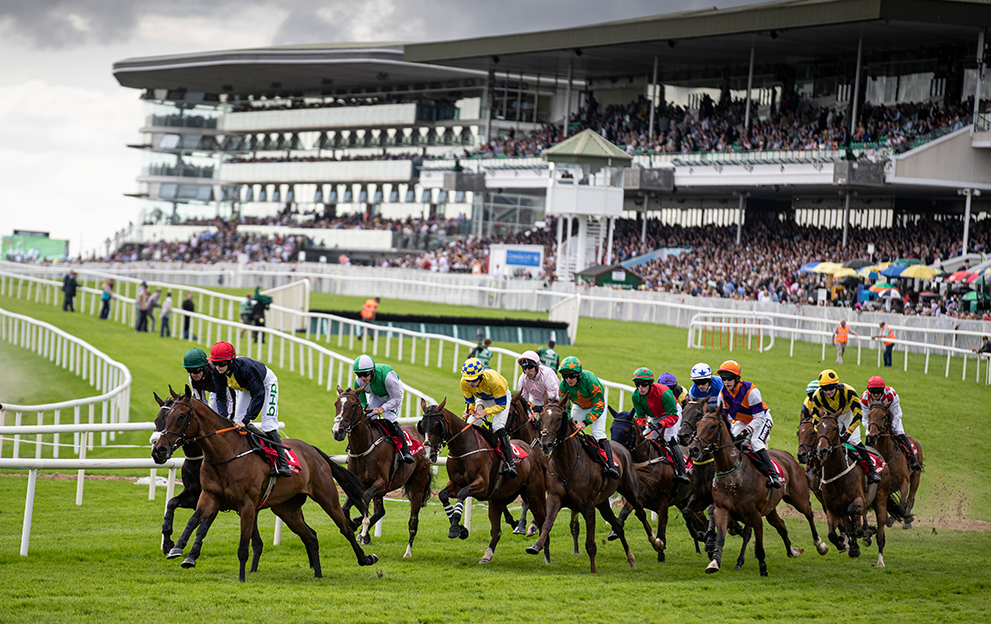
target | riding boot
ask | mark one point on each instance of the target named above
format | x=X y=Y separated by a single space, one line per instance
x=680 y=474
x=772 y=475
x=913 y=461
x=508 y=463
x=611 y=470
x=397 y=432
x=281 y=467
x=865 y=456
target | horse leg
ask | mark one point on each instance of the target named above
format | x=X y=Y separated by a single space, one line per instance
x=662 y=529
x=590 y=547
x=368 y=522
x=804 y=506
x=354 y=522
x=256 y=547
x=248 y=514
x=720 y=517
x=416 y=501
x=455 y=512
x=855 y=512
x=326 y=497
x=609 y=516
x=520 y=528
x=495 y=515
x=909 y=501
x=758 y=526
x=775 y=520
x=624 y=513
x=710 y=532
x=194 y=552
x=291 y=513
x=576 y=530
x=553 y=507
x=176 y=501
x=191 y=524
x=745 y=534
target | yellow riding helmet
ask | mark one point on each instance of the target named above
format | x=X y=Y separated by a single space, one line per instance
x=828 y=377
x=472 y=369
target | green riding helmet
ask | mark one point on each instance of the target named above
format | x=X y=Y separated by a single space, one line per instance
x=571 y=364
x=812 y=387
x=194 y=358
x=363 y=363
x=643 y=374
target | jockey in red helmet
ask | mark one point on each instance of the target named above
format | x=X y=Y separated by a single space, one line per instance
x=878 y=393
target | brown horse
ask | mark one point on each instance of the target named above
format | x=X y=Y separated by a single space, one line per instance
x=575 y=481
x=806 y=455
x=845 y=496
x=186 y=499
x=904 y=480
x=739 y=490
x=235 y=478
x=703 y=473
x=373 y=458
x=658 y=488
x=473 y=470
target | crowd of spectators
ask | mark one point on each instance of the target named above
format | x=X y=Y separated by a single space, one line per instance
x=334 y=102
x=383 y=155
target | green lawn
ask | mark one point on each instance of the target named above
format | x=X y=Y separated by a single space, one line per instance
x=104 y=555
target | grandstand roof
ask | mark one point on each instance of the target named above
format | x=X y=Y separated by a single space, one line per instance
x=335 y=69
x=588 y=147
x=788 y=31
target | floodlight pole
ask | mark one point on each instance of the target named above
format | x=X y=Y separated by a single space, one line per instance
x=487 y=97
x=750 y=84
x=967 y=193
x=643 y=226
x=653 y=96
x=739 y=217
x=567 y=105
x=977 y=90
x=846 y=217
x=856 y=91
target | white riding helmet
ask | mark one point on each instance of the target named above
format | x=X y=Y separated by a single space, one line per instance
x=529 y=355
x=701 y=372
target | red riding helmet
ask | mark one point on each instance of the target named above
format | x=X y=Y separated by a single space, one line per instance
x=875 y=382
x=222 y=352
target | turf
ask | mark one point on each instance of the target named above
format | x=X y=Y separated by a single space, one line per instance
x=104 y=560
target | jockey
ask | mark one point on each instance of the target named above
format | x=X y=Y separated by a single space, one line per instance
x=484 y=390
x=879 y=394
x=705 y=388
x=840 y=399
x=256 y=389
x=382 y=397
x=588 y=405
x=751 y=418
x=537 y=383
x=680 y=393
x=809 y=411
x=196 y=365
x=656 y=403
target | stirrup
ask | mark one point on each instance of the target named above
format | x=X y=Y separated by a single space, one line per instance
x=873 y=477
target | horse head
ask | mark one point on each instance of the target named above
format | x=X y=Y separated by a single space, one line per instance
x=806 y=439
x=554 y=425
x=827 y=432
x=622 y=428
x=163 y=409
x=878 y=422
x=708 y=436
x=433 y=428
x=347 y=412
x=690 y=416
x=178 y=425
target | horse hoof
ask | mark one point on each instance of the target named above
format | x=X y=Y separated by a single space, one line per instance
x=612 y=537
x=763 y=572
x=532 y=531
x=519 y=531
x=532 y=549
x=854 y=553
x=658 y=544
x=822 y=548
x=454 y=532
x=370 y=560
x=464 y=533
x=795 y=552
x=174 y=553
x=485 y=560
x=712 y=567
x=188 y=562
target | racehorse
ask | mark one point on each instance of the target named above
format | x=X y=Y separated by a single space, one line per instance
x=806 y=455
x=473 y=470
x=191 y=489
x=739 y=490
x=844 y=495
x=234 y=478
x=372 y=457
x=575 y=481
x=904 y=480
x=703 y=473
x=658 y=489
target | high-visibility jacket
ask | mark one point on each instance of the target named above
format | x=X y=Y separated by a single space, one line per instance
x=842 y=333
x=368 y=310
x=888 y=335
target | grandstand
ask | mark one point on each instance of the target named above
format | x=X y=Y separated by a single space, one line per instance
x=749 y=107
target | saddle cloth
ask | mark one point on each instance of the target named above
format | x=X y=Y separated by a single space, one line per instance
x=414 y=445
x=878 y=461
x=271 y=454
x=518 y=452
x=774 y=462
x=666 y=454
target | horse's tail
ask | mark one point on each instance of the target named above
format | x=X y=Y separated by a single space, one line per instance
x=348 y=481
x=427 y=492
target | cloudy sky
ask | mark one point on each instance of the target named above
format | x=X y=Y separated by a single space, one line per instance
x=65 y=122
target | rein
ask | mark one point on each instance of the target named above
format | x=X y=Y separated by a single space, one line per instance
x=831 y=449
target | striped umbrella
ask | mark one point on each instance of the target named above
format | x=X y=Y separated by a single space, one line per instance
x=880 y=286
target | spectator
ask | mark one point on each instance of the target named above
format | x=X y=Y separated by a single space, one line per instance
x=841 y=335
x=165 y=316
x=141 y=308
x=106 y=294
x=69 y=286
x=152 y=304
x=985 y=347
x=888 y=336
x=368 y=312
x=188 y=306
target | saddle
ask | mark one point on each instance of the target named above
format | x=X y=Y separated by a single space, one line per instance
x=414 y=445
x=666 y=457
x=758 y=464
x=853 y=455
x=594 y=451
x=263 y=447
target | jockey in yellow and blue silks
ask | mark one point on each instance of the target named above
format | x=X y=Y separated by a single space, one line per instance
x=485 y=392
x=588 y=405
x=751 y=418
x=841 y=400
x=656 y=402
x=705 y=388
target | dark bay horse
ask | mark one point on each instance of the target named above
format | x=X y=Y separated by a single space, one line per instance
x=473 y=470
x=658 y=488
x=374 y=460
x=703 y=474
x=739 y=491
x=904 y=480
x=190 y=476
x=575 y=481
x=234 y=478
x=845 y=495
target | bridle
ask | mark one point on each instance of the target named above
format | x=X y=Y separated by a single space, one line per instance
x=560 y=436
x=716 y=445
x=180 y=436
x=367 y=414
x=883 y=429
x=832 y=447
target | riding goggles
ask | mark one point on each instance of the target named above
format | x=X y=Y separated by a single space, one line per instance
x=728 y=377
x=876 y=391
x=196 y=371
x=640 y=383
x=569 y=375
x=527 y=365
x=363 y=374
x=829 y=387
